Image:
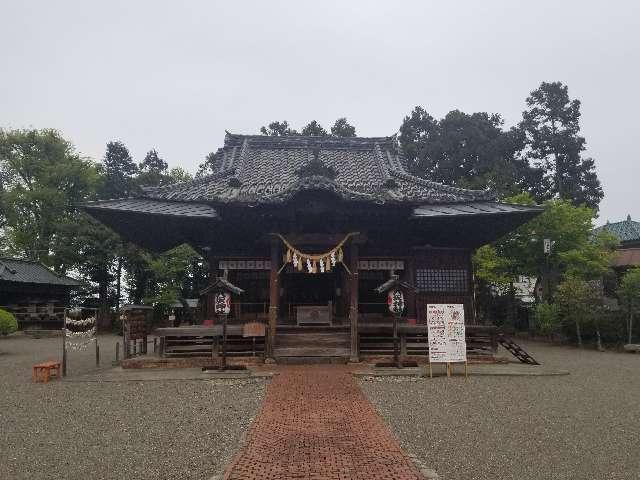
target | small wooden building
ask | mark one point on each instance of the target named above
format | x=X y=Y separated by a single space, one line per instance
x=628 y=233
x=272 y=200
x=33 y=293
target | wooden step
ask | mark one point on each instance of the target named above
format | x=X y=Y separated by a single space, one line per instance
x=279 y=352
x=311 y=360
x=324 y=340
x=283 y=328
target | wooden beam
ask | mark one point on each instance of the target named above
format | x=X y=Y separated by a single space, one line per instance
x=353 y=307
x=320 y=239
x=274 y=295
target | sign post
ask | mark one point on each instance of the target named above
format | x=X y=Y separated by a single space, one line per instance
x=447 y=343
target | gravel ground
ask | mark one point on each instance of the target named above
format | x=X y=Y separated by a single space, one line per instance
x=582 y=426
x=142 y=430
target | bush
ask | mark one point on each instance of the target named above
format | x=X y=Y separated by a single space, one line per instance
x=547 y=318
x=8 y=323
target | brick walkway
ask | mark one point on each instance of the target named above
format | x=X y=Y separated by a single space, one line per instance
x=316 y=423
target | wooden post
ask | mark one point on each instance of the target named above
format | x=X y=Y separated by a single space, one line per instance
x=64 y=343
x=117 y=352
x=396 y=354
x=97 y=353
x=274 y=295
x=224 y=342
x=353 y=307
x=409 y=277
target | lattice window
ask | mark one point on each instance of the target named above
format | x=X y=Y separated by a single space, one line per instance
x=439 y=280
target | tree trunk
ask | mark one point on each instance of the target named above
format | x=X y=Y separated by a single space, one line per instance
x=630 y=326
x=118 y=285
x=578 y=333
x=103 y=304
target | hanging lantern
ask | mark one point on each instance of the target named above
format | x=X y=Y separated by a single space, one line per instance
x=309 y=266
x=395 y=301
x=327 y=264
x=288 y=256
x=322 y=265
x=333 y=258
x=295 y=260
x=300 y=262
x=222 y=303
x=340 y=255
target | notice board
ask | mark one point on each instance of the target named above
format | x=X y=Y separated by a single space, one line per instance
x=445 y=325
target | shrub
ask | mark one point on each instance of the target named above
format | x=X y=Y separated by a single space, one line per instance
x=547 y=318
x=8 y=323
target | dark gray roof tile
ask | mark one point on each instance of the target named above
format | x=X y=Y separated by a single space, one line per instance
x=154 y=207
x=263 y=169
x=28 y=271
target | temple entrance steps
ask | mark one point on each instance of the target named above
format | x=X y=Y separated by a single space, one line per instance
x=317 y=344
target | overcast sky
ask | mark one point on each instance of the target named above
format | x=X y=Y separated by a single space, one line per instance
x=174 y=75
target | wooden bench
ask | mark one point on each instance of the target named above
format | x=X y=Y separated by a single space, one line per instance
x=42 y=372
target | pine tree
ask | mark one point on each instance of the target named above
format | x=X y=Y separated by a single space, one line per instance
x=342 y=128
x=551 y=124
x=119 y=171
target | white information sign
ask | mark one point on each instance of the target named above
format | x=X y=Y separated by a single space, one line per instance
x=445 y=324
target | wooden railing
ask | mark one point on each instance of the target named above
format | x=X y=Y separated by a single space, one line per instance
x=377 y=339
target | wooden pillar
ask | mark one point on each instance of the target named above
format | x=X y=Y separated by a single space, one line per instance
x=274 y=296
x=353 y=306
x=410 y=278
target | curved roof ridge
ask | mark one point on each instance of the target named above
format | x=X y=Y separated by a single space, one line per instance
x=195 y=181
x=474 y=194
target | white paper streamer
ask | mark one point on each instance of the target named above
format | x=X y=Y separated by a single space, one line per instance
x=81 y=323
x=85 y=334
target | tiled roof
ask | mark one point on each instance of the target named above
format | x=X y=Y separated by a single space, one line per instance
x=263 y=169
x=626 y=230
x=476 y=208
x=26 y=271
x=154 y=207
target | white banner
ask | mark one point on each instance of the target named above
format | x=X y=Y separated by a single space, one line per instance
x=445 y=324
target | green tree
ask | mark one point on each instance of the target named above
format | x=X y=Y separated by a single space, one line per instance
x=547 y=318
x=176 y=275
x=8 y=322
x=179 y=175
x=153 y=170
x=95 y=252
x=568 y=226
x=551 y=124
x=208 y=166
x=342 y=128
x=591 y=260
x=278 y=129
x=578 y=302
x=43 y=177
x=467 y=151
x=119 y=171
x=629 y=294
x=314 y=129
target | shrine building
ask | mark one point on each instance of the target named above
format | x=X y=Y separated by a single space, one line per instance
x=308 y=227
